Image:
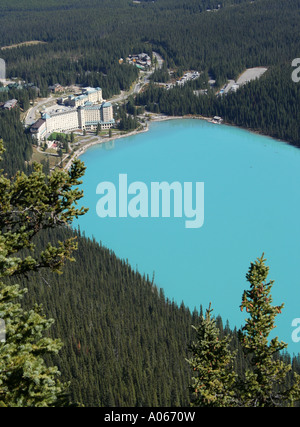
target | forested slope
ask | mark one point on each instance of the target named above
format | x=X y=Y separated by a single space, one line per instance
x=269 y=105
x=84 y=41
x=18 y=144
x=125 y=344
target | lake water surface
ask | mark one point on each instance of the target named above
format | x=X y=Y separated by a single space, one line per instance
x=252 y=205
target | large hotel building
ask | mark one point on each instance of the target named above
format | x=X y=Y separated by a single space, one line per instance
x=89 y=110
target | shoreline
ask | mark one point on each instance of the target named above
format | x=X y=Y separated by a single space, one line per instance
x=82 y=150
x=156 y=118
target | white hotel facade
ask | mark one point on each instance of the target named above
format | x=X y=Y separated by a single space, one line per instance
x=89 y=110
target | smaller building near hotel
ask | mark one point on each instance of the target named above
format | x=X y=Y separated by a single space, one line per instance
x=10 y=104
x=39 y=129
x=57 y=88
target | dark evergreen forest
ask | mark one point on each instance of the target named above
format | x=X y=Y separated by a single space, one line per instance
x=125 y=344
x=18 y=144
x=269 y=105
x=83 y=42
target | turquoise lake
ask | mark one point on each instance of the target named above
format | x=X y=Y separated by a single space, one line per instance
x=252 y=205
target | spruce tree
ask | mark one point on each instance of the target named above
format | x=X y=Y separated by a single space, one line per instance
x=29 y=204
x=25 y=379
x=264 y=384
x=267 y=380
x=211 y=361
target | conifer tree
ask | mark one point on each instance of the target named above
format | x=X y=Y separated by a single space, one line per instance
x=263 y=384
x=29 y=204
x=211 y=361
x=267 y=380
x=25 y=379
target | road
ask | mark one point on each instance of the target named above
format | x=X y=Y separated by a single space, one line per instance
x=31 y=116
x=143 y=81
x=159 y=58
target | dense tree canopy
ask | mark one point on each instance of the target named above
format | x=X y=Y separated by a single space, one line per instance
x=84 y=41
x=29 y=204
x=266 y=381
x=269 y=105
x=125 y=344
